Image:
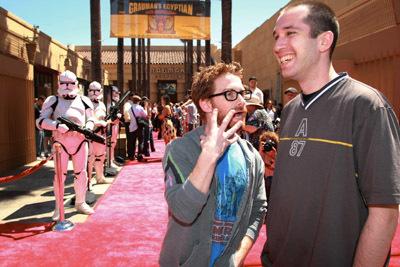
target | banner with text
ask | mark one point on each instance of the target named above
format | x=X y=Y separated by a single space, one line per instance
x=160 y=19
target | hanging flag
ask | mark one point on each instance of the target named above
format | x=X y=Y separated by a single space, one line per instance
x=160 y=19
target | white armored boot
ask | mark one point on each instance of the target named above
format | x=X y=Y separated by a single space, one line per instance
x=84 y=208
x=80 y=192
x=56 y=216
x=98 y=165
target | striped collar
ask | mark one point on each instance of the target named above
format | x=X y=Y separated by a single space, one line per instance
x=323 y=90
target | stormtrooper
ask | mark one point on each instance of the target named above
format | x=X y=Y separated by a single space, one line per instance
x=114 y=127
x=78 y=109
x=97 y=151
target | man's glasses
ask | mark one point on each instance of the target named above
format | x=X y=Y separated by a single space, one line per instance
x=232 y=95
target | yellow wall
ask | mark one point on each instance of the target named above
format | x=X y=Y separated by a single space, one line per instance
x=15 y=34
x=17 y=137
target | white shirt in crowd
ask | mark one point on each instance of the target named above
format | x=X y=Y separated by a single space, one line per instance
x=139 y=112
x=271 y=113
x=260 y=95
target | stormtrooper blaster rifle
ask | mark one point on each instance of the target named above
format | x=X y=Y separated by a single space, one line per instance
x=115 y=108
x=89 y=134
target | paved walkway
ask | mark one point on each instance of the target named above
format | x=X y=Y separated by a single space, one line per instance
x=31 y=198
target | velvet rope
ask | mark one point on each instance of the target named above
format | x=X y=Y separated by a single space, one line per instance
x=24 y=173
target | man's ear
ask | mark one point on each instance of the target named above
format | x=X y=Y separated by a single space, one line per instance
x=205 y=105
x=325 y=41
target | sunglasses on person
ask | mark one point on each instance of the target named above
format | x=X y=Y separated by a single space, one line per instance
x=232 y=95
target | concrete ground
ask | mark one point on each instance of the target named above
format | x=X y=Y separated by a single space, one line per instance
x=31 y=198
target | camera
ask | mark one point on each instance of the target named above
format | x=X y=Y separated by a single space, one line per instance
x=268 y=146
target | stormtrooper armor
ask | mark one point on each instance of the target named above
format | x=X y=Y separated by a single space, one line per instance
x=97 y=152
x=68 y=85
x=78 y=109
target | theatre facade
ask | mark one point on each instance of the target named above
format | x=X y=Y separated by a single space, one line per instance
x=166 y=70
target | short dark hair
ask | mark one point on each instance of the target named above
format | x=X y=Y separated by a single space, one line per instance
x=166 y=98
x=41 y=97
x=321 y=18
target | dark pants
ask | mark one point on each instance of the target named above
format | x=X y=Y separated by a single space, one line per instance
x=148 y=140
x=152 y=140
x=39 y=134
x=159 y=136
x=138 y=135
x=178 y=127
x=191 y=126
x=129 y=142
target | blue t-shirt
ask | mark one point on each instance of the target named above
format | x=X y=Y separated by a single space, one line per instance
x=232 y=180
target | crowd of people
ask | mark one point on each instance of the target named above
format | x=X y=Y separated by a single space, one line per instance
x=325 y=164
x=169 y=120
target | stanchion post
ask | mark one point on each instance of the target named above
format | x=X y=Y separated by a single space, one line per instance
x=60 y=182
x=62 y=224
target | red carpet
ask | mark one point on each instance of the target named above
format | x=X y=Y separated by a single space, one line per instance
x=395 y=258
x=126 y=230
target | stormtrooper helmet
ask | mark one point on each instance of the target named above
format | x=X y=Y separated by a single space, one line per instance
x=115 y=93
x=68 y=84
x=95 y=91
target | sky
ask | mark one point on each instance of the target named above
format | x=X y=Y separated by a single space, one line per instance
x=69 y=21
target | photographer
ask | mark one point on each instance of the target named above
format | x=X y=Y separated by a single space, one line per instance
x=268 y=146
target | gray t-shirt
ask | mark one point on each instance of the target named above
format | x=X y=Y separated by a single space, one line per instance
x=343 y=141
